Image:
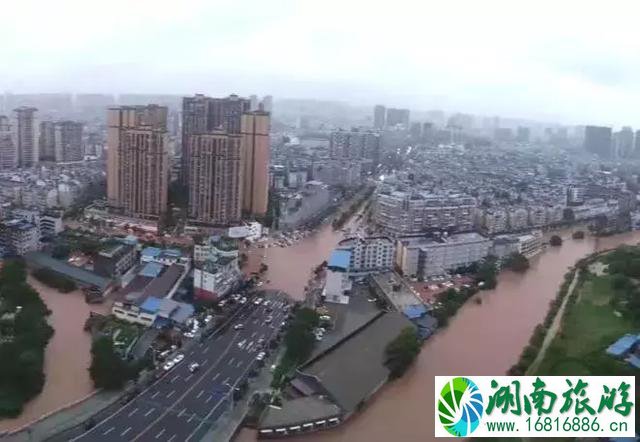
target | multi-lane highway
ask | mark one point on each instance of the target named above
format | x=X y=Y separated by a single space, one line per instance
x=182 y=406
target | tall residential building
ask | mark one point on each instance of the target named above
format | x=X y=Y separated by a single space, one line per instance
x=202 y=114
x=267 y=103
x=7 y=146
x=138 y=160
x=379 y=116
x=61 y=141
x=215 y=178
x=523 y=134
x=398 y=117
x=26 y=136
x=354 y=144
x=255 y=147
x=254 y=103
x=598 y=140
x=47 y=141
x=623 y=143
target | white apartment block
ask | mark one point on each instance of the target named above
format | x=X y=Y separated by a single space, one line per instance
x=369 y=254
x=419 y=256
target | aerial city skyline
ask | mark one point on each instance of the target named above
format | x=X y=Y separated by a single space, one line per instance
x=348 y=221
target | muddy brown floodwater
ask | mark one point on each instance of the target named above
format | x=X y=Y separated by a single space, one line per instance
x=67 y=356
x=481 y=339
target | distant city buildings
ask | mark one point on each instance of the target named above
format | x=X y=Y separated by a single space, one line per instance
x=61 y=141
x=379 y=117
x=138 y=160
x=597 y=140
x=26 y=136
x=355 y=144
x=398 y=117
x=7 y=145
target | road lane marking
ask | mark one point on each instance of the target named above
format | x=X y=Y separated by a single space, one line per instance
x=182 y=412
x=132 y=412
x=253 y=335
x=155 y=394
x=239 y=364
x=125 y=431
x=160 y=434
x=200 y=394
x=149 y=412
x=216 y=376
x=170 y=394
x=208 y=399
x=226 y=380
x=108 y=431
x=174 y=378
x=191 y=418
x=171 y=438
x=206 y=349
x=231 y=361
x=188 y=377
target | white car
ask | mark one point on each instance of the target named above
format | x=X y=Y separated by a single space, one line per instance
x=188 y=334
x=168 y=365
x=238 y=326
x=241 y=343
x=257 y=301
x=243 y=300
x=179 y=357
x=208 y=319
x=261 y=356
x=193 y=367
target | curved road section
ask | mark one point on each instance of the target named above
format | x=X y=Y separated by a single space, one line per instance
x=182 y=406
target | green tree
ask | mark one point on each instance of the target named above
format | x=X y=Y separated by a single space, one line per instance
x=107 y=370
x=401 y=352
x=517 y=262
x=555 y=241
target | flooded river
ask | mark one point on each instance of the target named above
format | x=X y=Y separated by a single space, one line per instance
x=67 y=356
x=482 y=339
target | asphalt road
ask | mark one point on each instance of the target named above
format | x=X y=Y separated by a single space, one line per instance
x=182 y=406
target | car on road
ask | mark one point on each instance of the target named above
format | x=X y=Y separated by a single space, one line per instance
x=208 y=319
x=241 y=343
x=268 y=319
x=193 y=367
x=261 y=356
x=168 y=365
x=238 y=326
x=188 y=334
x=179 y=357
x=243 y=300
x=257 y=301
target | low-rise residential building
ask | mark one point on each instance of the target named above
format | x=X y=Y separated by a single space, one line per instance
x=216 y=271
x=370 y=254
x=421 y=256
x=529 y=244
x=114 y=259
x=18 y=236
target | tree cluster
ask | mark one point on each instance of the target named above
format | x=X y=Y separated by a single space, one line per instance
x=22 y=352
x=401 y=352
x=54 y=280
x=107 y=369
x=517 y=262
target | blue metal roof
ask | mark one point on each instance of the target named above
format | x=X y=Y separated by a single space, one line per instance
x=151 y=270
x=415 y=311
x=151 y=251
x=151 y=304
x=340 y=259
x=622 y=345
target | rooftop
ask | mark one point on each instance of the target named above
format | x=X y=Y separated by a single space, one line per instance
x=340 y=259
x=396 y=290
x=355 y=369
x=300 y=410
x=78 y=274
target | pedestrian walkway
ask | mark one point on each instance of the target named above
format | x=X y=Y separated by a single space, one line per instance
x=64 y=419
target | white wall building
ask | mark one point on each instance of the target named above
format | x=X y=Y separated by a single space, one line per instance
x=369 y=254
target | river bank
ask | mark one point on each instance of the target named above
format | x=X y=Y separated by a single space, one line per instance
x=67 y=357
x=483 y=339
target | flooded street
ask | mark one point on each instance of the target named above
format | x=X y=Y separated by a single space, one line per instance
x=67 y=356
x=481 y=339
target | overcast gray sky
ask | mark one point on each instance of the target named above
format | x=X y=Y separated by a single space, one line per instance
x=571 y=60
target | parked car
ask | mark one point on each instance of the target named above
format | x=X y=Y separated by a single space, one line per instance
x=179 y=357
x=193 y=367
x=261 y=356
x=168 y=365
x=238 y=326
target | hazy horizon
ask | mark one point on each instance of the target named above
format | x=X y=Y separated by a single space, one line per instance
x=569 y=62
